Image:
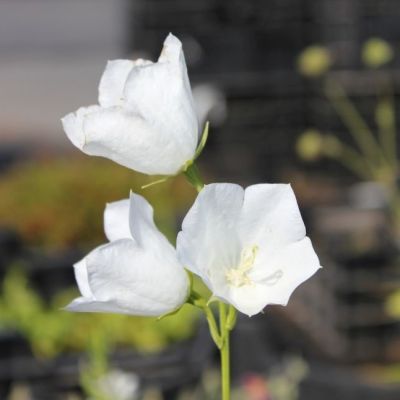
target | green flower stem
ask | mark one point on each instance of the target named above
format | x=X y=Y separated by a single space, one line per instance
x=353 y=161
x=213 y=327
x=227 y=319
x=225 y=369
x=224 y=353
x=193 y=176
x=385 y=119
x=198 y=301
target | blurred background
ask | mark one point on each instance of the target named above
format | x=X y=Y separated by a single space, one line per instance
x=295 y=91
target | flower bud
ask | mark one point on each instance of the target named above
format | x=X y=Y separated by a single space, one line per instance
x=309 y=145
x=392 y=305
x=314 y=61
x=376 y=52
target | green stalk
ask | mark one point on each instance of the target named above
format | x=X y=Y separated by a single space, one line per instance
x=354 y=121
x=213 y=327
x=353 y=161
x=224 y=354
x=227 y=320
x=385 y=119
x=193 y=176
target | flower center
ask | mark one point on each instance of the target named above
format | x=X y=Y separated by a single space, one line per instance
x=238 y=276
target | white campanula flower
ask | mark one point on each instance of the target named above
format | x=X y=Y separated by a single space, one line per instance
x=119 y=385
x=249 y=246
x=136 y=273
x=145 y=119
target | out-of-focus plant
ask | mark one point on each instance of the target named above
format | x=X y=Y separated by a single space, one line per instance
x=52 y=204
x=100 y=382
x=392 y=305
x=314 y=61
x=51 y=331
x=282 y=383
x=376 y=52
x=113 y=385
x=375 y=156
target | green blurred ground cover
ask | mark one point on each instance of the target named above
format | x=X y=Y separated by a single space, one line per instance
x=51 y=330
x=59 y=202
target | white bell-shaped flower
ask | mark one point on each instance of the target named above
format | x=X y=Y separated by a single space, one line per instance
x=249 y=246
x=137 y=272
x=145 y=119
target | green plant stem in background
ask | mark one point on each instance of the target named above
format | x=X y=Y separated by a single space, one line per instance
x=386 y=121
x=353 y=161
x=354 y=122
x=378 y=158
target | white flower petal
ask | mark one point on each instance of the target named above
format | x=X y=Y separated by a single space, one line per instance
x=81 y=276
x=298 y=262
x=130 y=141
x=112 y=82
x=270 y=216
x=208 y=240
x=172 y=52
x=249 y=300
x=116 y=220
x=293 y=265
x=143 y=228
x=73 y=125
x=161 y=94
x=83 y=304
x=135 y=280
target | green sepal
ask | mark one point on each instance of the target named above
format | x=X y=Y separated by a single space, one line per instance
x=199 y=149
x=169 y=314
x=203 y=141
x=193 y=176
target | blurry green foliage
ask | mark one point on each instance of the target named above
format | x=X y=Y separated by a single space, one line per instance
x=282 y=383
x=56 y=203
x=51 y=331
x=373 y=155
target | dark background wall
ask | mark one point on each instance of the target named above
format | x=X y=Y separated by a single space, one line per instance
x=249 y=50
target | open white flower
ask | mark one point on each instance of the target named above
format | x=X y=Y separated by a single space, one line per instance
x=145 y=119
x=249 y=246
x=137 y=272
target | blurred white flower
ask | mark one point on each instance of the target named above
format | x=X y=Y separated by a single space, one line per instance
x=210 y=104
x=119 y=385
x=145 y=119
x=137 y=272
x=249 y=246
